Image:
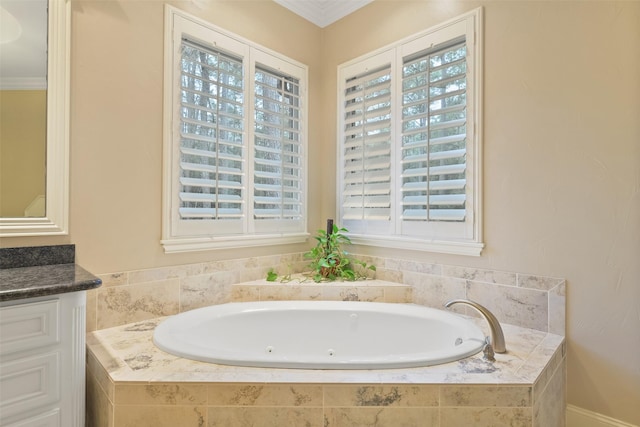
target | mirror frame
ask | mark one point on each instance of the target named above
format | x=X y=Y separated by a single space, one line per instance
x=56 y=219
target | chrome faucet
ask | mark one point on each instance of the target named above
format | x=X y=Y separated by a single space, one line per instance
x=496 y=344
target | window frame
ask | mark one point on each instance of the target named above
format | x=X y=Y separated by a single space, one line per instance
x=451 y=238
x=178 y=235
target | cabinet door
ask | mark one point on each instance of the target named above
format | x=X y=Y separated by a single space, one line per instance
x=28 y=384
x=48 y=419
x=28 y=326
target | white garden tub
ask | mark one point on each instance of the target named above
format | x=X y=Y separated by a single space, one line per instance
x=319 y=335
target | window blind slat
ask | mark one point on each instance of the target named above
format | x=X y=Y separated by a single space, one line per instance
x=201 y=183
x=434 y=214
x=434 y=135
x=277 y=147
x=452 y=184
x=210 y=213
x=211 y=136
x=439 y=200
x=367 y=77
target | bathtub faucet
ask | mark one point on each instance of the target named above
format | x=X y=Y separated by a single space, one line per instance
x=497 y=336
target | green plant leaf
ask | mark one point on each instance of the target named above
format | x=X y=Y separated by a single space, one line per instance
x=271 y=276
x=329 y=261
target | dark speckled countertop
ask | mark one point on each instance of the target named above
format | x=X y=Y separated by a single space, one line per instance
x=40 y=271
x=29 y=282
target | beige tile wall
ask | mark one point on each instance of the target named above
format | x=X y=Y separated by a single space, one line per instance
x=131 y=296
x=520 y=299
x=310 y=405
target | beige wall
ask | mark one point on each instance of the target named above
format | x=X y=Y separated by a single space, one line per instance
x=116 y=123
x=23 y=132
x=561 y=153
x=561 y=163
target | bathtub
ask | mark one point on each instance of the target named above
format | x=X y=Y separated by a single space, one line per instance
x=319 y=335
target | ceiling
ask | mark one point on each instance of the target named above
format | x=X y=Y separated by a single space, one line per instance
x=323 y=12
x=23 y=44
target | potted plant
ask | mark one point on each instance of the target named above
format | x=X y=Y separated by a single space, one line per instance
x=329 y=261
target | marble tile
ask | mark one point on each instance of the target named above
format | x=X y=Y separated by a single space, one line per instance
x=557 y=309
x=161 y=394
x=290 y=291
x=517 y=306
x=264 y=417
x=434 y=291
x=537 y=282
x=480 y=275
x=300 y=287
x=397 y=396
x=241 y=293
x=125 y=304
x=159 y=416
x=114 y=279
x=225 y=265
x=131 y=356
x=412 y=266
x=282 y=397
x=100 y=375
x=399 y=294
x=165 y=273
x=265 y=395
x=519 y=347
x=341 y=292
x=249 y=274
x=98 y=410
x=486 y=396
x=381 y=417
x=553 y=356
x=292 y=258
x=260 y=262
x=549 y=410
x=389 y=275
x=155 y=388
x=485 y=417
x=204 y=290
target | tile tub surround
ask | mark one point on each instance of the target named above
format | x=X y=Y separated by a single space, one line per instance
x=132 y=383
x=525 y=300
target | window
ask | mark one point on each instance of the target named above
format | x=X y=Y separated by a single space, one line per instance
x=409 y=142
x=235 y=144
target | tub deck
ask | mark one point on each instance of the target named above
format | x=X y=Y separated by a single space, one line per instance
x=132 y=383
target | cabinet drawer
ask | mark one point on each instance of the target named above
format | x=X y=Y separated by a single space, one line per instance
x=29 y=383
x=27 y=326
x=49 y=419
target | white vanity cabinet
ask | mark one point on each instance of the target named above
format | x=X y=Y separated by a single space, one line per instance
x=42 y=361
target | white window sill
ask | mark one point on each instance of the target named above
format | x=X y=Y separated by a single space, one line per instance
x=437 y=246
x=193 y=244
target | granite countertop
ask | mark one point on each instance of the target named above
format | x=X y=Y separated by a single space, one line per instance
x=42 y=280
x=37 y=271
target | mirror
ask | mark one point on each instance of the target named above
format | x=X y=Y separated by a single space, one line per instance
x=35 y=147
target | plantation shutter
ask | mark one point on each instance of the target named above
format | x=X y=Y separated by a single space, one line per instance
x=366 y=191
x=211 y=134
x=278 y=156
x=434 y=140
